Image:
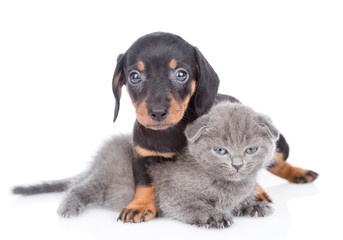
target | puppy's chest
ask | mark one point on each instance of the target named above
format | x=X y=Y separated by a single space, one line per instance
x=170 y=141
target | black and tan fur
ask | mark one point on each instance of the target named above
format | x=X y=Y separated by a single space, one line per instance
x=153 y=70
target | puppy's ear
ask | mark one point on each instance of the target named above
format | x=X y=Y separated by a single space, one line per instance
x=265 y=122
x=117 y=83
x=207 y=85
x=195 y=129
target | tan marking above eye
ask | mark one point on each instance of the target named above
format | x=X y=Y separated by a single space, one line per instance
x=173 y=63
x=140 y=66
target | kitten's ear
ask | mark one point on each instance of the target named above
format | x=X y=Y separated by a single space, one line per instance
x=195 y=129
x=265 y=122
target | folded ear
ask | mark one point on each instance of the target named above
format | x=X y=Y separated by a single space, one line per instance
x=207 y=85
x=265 y=122
x=117 y=83
x=195 y=129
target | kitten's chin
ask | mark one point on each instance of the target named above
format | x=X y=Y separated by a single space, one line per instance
x=237 y=176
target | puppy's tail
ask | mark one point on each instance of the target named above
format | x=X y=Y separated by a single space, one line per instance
x=45 y=187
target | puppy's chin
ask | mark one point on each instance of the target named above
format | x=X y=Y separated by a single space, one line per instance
x=155 y=125
x=159 y=126
x=169 y=122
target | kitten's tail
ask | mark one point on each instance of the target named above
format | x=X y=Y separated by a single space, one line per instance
x=45 y=187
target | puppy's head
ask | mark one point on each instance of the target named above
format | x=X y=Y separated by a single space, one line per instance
x=163 y=74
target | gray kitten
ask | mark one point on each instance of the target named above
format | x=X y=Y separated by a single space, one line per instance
x=211 y=180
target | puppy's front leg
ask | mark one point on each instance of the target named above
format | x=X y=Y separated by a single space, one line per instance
x=143 y=207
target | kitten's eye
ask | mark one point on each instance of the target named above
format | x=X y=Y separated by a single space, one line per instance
x=135 y=78
x=181 y=75
x=220 y=151
x=251 y=150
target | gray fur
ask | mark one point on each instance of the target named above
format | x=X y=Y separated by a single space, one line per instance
x=252 y=208
x=201 y=188
x=53 y=186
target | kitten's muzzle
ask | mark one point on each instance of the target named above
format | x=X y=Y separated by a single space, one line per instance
x=237 y=163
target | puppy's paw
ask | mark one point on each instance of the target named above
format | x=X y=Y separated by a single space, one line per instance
x=137 y=212
x=291 y=173
x=142 y=208
x=306 y=176
x=71 y=207
x=257 y=209
x=261 y=195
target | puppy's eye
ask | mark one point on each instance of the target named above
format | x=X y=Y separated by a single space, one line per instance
x=251 y=150
x=220 y=151
x=135 y=78
x=181 y=75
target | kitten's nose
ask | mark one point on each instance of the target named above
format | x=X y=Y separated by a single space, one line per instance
x=237 y=167
x=237 y=162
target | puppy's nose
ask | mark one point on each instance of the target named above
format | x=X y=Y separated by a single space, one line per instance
x=158 y=113
x=237 y=167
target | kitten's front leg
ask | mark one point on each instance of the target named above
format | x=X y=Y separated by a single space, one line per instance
x=214 y=220
x=253 y=208
x=198 y=213
x=208 y=217
x=80 y=195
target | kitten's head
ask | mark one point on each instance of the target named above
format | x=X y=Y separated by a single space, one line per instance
x=232 y=141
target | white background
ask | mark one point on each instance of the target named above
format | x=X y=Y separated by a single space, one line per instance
x=284 y=58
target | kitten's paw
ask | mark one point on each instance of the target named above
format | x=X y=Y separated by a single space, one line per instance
x=218 y=223
x=258 y=209
x=71 y=207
